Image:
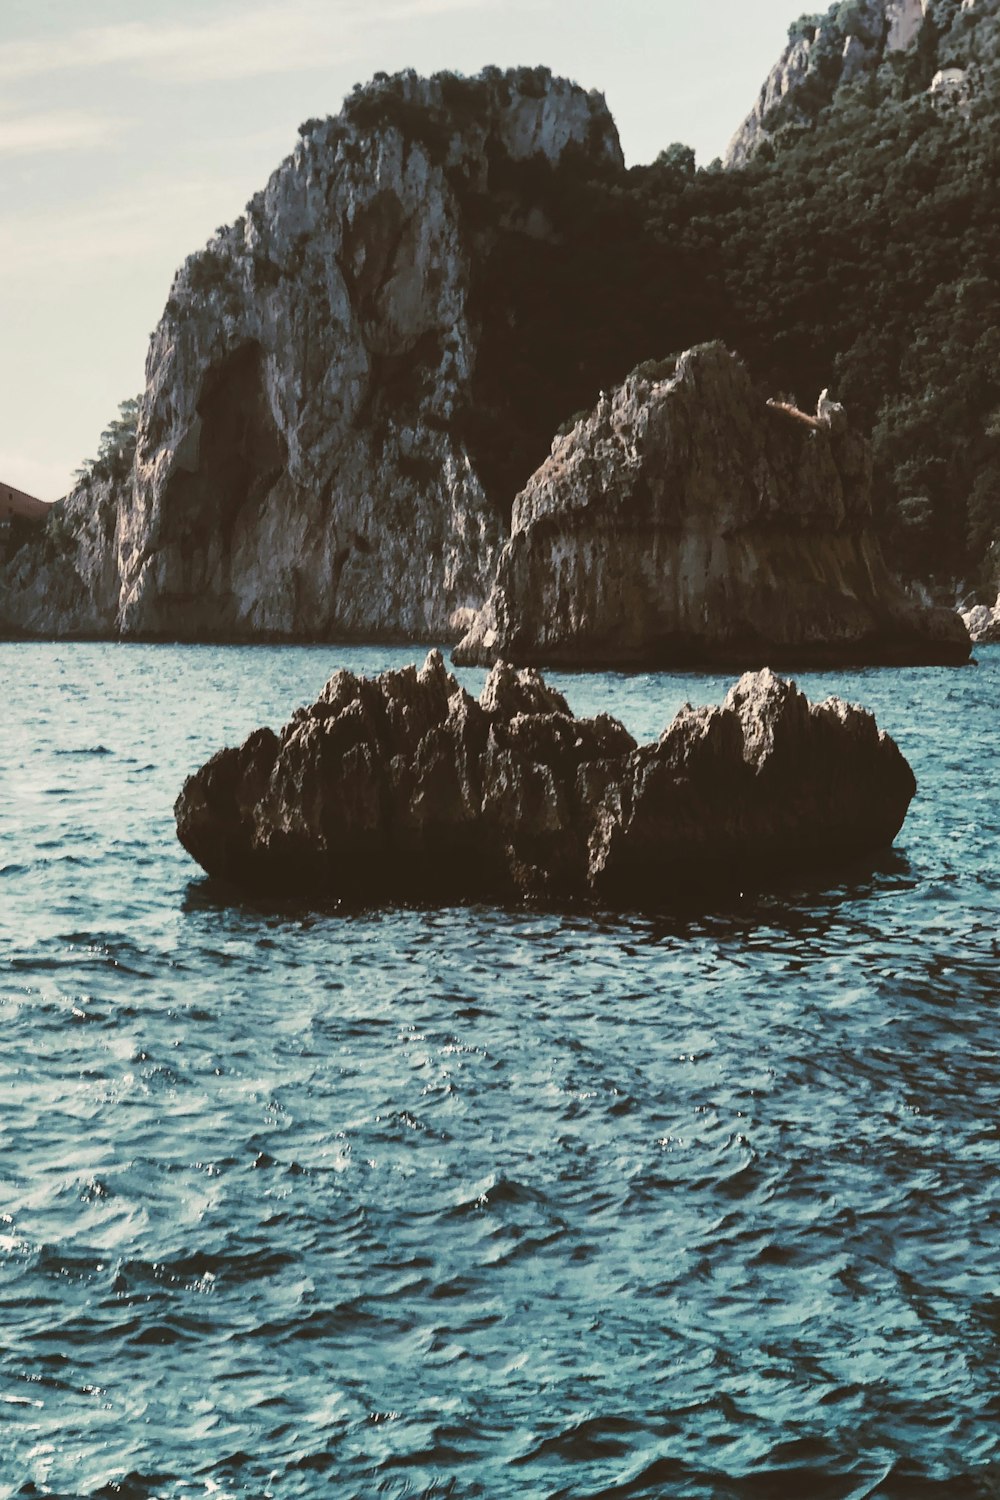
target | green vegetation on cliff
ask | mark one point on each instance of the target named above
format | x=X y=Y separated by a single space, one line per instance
x=855 y=252
x=117 y=447
x=860 y=253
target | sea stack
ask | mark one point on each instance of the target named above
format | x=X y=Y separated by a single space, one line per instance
x=405 y=787
x=689 y=520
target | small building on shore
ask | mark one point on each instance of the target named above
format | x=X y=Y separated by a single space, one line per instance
x=15 y=504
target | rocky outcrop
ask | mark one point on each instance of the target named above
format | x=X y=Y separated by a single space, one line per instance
x=955 y=88
x=905 y=18
x=983 y=623
x=686 y=520
x=308 y=459
x=404 y=786
x=823 y=53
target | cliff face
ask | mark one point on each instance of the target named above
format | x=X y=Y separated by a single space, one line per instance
x=303 y=464
x=824 y=52
x=684 y=521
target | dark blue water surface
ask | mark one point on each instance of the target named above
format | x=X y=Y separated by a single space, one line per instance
x=476 y=1202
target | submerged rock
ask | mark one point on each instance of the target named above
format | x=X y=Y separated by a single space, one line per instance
x=405 y=786
x=683 y=521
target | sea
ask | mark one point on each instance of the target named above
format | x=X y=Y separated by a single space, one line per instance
x=486 y=1202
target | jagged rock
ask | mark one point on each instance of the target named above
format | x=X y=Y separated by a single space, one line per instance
x=983 y=623
x=404 y=786
x=857 y=58
x=307 y=457
x=824 y=53
x=905 y=19
x=681 y=521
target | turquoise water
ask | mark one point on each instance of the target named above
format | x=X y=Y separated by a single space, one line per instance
x=476 y=1202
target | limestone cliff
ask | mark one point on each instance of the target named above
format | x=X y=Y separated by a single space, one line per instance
x=308 y=456
x=824 y=52
x=683 y=520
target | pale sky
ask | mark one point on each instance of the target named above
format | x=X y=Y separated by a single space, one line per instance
x=130 y=130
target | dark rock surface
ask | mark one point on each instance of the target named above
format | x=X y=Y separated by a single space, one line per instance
x=687 y=519
x=404 y=786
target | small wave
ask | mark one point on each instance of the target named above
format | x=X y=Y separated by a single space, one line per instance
x=907 y=1481
x=173 y=1330
x=500 y=1192
x=403 y=1123
x=95 y=1190
x=50 y=1260
x=512 y=1245
x=334 y=1323
x=572 y=1259
x=81 y=750
x=132 y=1486
x=81 y=1017
x=223 y=1266
x=661 y=1477
x=435 y=1455
x=583 y=1441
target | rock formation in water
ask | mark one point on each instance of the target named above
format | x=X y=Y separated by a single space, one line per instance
x=823 y=53
x=313 y=449
x=405 y=786
x=983 y=623
x=686 y=520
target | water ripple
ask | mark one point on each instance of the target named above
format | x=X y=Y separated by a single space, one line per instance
x=497 y=1203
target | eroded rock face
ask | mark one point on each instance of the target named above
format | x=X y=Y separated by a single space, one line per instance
x=822 y=54
x=683 y=521
x=303 y=465
x=405 y=786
